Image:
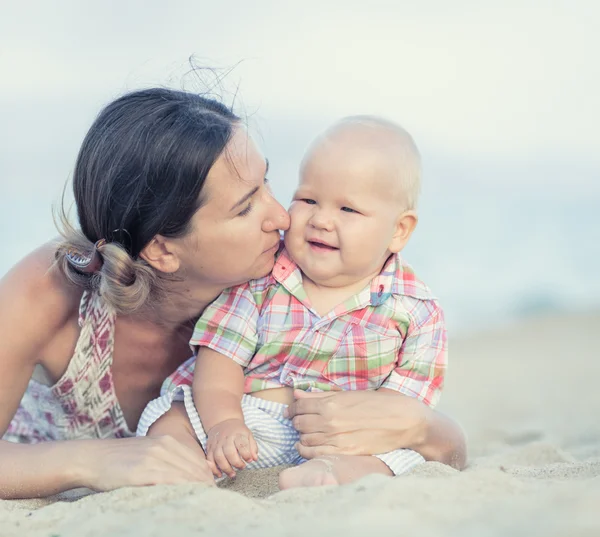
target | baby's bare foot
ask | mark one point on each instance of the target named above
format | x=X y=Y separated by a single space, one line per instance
x=313 y=473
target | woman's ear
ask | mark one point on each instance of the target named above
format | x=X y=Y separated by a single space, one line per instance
x=406 y=224
x=159 y=255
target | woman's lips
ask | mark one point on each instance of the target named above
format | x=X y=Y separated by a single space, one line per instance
x=272 y=249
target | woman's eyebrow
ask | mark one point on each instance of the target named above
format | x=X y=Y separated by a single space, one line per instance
x=245 y=198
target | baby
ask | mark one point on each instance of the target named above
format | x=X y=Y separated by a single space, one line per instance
x=340 y=311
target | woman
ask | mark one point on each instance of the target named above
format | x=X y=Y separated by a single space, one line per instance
x=91 y=326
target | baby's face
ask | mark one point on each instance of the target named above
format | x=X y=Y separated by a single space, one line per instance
x=343 y=215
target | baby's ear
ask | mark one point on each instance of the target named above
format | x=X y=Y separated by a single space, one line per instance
x=405 y=226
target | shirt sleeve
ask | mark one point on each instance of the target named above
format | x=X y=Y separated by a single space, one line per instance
x=229 y=325
x=423 y=357
x=182 y=376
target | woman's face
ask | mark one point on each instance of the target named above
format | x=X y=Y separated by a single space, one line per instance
x=235 y=234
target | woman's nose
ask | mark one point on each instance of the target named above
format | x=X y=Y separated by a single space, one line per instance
x=278 y=217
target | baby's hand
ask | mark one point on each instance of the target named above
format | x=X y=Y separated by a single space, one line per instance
x=230 y=445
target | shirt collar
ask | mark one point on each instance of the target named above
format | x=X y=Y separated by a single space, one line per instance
x=285 y=267
x=396 y=278
x=288 y=274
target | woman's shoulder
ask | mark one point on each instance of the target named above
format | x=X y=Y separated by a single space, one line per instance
x=38 y=313
x=36 y=284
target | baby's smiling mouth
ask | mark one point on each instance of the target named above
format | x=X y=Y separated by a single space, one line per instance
x=318 y=245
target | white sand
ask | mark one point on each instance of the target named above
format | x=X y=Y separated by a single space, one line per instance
x=528 y=401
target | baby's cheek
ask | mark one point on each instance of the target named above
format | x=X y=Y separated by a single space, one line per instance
x=297 y=223
x=289 y=240
x=295 y=212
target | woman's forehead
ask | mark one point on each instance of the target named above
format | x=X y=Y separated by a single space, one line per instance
x=241 y=159
x=240 y=168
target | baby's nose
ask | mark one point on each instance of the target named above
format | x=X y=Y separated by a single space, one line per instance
x=322 y=220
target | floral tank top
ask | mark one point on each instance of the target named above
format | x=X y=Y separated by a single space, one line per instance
x=83 y=403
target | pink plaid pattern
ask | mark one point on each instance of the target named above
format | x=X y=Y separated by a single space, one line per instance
x=391 y=335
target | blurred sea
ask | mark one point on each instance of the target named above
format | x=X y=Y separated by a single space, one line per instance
x=499 y=239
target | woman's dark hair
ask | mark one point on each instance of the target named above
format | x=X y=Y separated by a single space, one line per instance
x=140 y=173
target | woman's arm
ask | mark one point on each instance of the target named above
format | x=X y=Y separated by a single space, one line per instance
x=441 y=439
x=36 y=305
x=32 y=310
x=38 y=470
x=30 y=471
x=369 y=422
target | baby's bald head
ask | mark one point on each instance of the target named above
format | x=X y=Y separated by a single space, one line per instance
x=384 y=150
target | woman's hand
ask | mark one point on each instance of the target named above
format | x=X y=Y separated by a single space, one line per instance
x=110 y=464
x=370 y=422
x=353 y=422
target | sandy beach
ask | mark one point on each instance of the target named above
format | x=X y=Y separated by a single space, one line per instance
x=526 y=395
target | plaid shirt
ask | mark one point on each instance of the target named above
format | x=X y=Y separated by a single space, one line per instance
x=390 y=335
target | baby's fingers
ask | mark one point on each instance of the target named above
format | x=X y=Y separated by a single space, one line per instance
x=223 y=463
x=243 y=445
x=213 y=468
x=231 y=452
x=210 y=459
x=253 y=447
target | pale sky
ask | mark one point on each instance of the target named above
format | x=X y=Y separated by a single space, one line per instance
x=496 y=77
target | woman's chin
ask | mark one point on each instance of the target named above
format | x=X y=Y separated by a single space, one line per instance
x=265 y=269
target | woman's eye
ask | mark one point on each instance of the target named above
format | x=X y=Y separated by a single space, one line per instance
x=309 y=201
x=349 y=210
x=246 y=210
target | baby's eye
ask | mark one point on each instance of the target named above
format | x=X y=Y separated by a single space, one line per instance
x=309 y=201
x=349 y=210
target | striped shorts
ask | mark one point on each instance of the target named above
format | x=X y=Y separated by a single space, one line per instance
x=274 y=434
